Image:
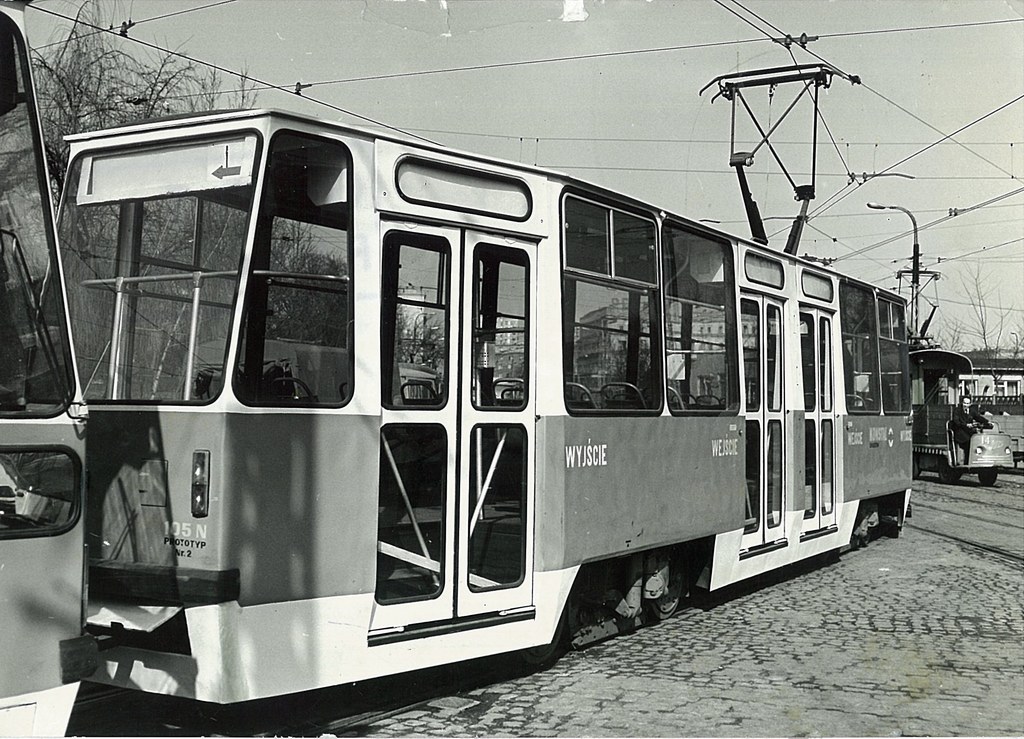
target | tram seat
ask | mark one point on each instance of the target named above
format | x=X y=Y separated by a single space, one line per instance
x=578 y=397
x=675 y=400
x=417 y=392
x=509 y=391
x=622 y=395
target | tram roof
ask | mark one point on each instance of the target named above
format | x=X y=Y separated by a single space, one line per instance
x=242 y=114
x=941 y=359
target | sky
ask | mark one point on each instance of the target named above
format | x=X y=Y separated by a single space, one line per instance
x=608 y=91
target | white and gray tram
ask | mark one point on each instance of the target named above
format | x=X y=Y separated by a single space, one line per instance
x=43 y=653
x=360 y=405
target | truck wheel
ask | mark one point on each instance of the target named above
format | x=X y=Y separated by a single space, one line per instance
x=988 y=477
x=947 y=474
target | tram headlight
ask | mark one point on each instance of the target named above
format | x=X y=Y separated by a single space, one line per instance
x=200 y=483
x=980 y=450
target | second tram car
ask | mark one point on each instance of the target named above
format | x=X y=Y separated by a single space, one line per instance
x=360 y=405
x=935 y=377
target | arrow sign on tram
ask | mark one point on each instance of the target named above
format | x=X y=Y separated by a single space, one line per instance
x=224 y=170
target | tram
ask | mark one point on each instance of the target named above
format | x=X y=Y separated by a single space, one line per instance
x=43 y=652
x=935 y=377
x=360 y=405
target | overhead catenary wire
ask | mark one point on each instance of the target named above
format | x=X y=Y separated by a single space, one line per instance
x=883 y=97
x=628 y=52
x=817 y=213
x=992 y=247
x=956 y=214
x=224 y=70
x=134 y=23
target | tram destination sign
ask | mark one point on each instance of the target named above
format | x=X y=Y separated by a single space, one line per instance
x=167 y=170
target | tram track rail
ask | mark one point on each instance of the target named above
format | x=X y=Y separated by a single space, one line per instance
x=973 y=517
x=1013 y=557
x=1012 y=494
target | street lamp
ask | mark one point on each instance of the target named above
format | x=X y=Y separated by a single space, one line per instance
x=915 y=273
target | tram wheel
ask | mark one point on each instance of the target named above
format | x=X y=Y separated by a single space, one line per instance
x=988 y=477
x=665 y=606
x=947 y=474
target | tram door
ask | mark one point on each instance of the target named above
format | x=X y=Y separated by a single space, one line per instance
x=763 y=371
x=819 y=420
x=455 y=507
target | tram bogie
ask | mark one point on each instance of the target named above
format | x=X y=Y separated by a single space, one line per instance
x=360 y=405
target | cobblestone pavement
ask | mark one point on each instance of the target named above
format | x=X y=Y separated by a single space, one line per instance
x=916 y=635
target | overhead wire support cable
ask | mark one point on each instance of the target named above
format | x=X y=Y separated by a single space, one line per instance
x=945 y=137
x=225 y=70
x=960 y=211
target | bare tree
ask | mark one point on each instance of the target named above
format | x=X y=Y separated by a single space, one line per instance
x=89 y=79
x=985 y=328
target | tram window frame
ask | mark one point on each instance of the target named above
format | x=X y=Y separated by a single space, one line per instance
x=86 y=268
x=809 y=363
x=503 y=468
x=396 y=513
x=626 y=387
x=763 y=270
x=816 y=286
x=491 y=388
x=826 y=383
x=393 y=389
x=893 y=357
x=858 y=318
x=48 y=392
x=249 y=387
x=461 y=189
x=72 y=475
x=775 y=358
x=685 y=250
x=750 y=325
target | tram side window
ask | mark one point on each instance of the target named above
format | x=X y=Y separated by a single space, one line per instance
x=700 y=321
x=414 y=342
x=810 y=367
x=750 y=318
x=860 y=348
x=500 y=322
x=411 y=512
x=608 y=345
x=893 y=356
x=297 y=330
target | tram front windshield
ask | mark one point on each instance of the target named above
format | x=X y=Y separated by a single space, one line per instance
x=37 y=486
x=152 y=242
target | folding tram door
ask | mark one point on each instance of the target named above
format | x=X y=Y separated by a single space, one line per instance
x=455 y=509
x=762 y=324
